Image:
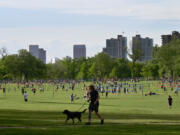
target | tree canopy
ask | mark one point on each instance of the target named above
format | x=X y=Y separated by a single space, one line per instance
x=24 y=66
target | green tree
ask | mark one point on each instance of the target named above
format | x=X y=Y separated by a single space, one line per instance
x=114 y=73
x=124 y=70
x=56 y=70
x=151 y=69
x=3 y=71
x=137 y=54
x=93 y=71
x=137 y=67
x=103 y=64
x=29 y=67
x=83 y=73
x=155 y=51
x=10 y=64
x=168 y=57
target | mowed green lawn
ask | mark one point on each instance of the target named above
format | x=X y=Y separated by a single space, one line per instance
x=131 y=114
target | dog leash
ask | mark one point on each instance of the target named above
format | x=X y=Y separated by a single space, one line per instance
x=82 y=106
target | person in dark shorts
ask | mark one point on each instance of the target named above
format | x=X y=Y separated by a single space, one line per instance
x=107 y=93
x=22 y=90
x=94 y=104
x=170 y=102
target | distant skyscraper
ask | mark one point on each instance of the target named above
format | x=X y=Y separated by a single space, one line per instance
x=34 y=50
x=144 y=45
x=37 y=52
x=116 y=48
x=42 y=55
x=79 y=51
x=168 y=38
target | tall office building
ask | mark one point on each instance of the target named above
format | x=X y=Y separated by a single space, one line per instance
x=37 y=52
x=168 y=38
x=116 y=48
x=145 y=47
x=79 y=51
x=42 y=55
x=34 y=50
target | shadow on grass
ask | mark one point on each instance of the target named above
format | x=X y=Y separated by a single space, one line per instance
x=121 y=129
x=54 y=118
x=65 y=103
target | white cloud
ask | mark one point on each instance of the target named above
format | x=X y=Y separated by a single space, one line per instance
x=151 y=9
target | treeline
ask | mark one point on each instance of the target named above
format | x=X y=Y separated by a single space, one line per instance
x=165 y=63
x=21 y=66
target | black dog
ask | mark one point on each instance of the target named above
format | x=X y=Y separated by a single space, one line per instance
x=72 y=115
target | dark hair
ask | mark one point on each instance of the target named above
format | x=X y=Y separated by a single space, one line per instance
x=91 y=87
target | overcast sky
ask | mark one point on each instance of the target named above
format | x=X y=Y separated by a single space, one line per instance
x=56 y=25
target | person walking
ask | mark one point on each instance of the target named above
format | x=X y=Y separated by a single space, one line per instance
x=94 y=104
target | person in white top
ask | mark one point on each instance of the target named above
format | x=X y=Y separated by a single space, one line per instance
x=25 y=96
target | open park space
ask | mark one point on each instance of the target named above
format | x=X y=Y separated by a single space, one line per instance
x=127 y=114
x=90 y=67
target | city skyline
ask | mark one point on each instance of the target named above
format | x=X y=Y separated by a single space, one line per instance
x=62 y=23
x=37 y=52
x=128 y=41
x=144 y=46
x=116 y=47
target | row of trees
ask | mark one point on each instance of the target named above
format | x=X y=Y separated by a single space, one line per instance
x=165 y=63
x=21 y=66
x=100 y=66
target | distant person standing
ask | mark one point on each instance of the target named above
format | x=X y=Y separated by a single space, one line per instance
x=4 y=91
x=34 y=90
x=170 y=100
x=14 y=89
x=107 y=93
x=22 y=90
x=25 y=96
x=63 y=87
x=72 y=98
x=73 y=86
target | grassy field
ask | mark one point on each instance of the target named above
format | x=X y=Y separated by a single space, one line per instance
x=130 y=114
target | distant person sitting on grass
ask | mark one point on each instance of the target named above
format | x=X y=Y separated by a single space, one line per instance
x=170 y=100
x=25 y=96
x=94 y=104
x=151 y=93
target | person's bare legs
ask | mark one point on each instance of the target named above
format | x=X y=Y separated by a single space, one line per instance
x=99 y=116
x=89 y=116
